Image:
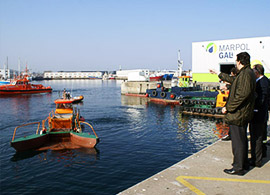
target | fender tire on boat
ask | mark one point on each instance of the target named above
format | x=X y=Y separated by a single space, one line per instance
x=198 y=110
x=205 y=110
x=163 y=94
x=218 y=110
x=212 y=111
x=154 y=93
x=181 y=102
x=186 y=101
x=193 y=102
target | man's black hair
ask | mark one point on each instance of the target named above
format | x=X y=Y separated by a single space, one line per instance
x=259 y=68
x=243 y=58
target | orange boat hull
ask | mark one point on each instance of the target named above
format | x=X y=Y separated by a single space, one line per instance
x=82 y=141
x=33 y=91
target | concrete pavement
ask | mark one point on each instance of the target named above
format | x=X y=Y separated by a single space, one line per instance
x=202 y=173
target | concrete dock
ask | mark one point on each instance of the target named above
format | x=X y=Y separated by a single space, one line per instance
x=202 y=173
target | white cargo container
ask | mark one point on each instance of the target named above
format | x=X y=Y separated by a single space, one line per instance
x=139 y=75
x=221 y=55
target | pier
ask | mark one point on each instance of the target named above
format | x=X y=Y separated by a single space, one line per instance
x=202 y=173
x=140 y=87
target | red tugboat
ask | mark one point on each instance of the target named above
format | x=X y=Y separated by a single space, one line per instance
x=23 y=86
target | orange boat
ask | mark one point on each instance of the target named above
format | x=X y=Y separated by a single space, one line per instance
x=23 y=86
x=63 y=131
x=70 y=100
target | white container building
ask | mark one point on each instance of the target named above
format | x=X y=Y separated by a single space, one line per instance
x=221 y=55
x=73 y=74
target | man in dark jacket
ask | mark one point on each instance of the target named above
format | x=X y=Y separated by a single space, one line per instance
x=258 y=125
x=238 y=109
x=229 y=80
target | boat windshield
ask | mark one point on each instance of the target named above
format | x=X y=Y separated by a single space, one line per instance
x=63 y=106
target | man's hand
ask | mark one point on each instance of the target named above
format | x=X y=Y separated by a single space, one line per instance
x=224 y=110
x=213 y=71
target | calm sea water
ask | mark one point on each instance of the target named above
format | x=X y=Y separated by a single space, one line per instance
x=137 y=139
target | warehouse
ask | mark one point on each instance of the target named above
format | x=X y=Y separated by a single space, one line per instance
x=221 y=55
x=73 y=75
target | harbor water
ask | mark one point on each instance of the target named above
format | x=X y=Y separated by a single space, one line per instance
x=137 y=140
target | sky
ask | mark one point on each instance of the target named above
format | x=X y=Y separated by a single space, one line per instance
x=104 y=35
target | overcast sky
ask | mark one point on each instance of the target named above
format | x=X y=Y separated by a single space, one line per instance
x=106 y=34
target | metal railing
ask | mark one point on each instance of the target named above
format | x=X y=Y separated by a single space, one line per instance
x=51 y=115
x=89 y=126
x=24 y=126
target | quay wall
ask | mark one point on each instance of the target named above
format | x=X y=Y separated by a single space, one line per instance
x=140 y=87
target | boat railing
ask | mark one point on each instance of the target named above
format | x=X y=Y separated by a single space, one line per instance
x=15 y=130
x=80 y=122
x=51 y=115
x=77 y=125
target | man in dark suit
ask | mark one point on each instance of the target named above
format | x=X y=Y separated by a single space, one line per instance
x=258 y=124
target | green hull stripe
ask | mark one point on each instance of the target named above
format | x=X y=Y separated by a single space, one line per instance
x=29 y=137
x=86 y=135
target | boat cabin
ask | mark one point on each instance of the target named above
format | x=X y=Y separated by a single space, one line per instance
x=20 y=82
x=184 y=81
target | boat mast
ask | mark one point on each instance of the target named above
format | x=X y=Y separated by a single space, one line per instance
x=6 y=70
x=4 y=75
x=19 y=66
x=180 y=64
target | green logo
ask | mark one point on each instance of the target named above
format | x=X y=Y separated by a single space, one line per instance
x=211 y=48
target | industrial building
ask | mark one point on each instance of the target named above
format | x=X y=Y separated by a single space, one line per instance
x=8 y=73
x=221 y=55
x=73 y=75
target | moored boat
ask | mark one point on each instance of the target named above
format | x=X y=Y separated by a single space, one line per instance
x=62 y=129
x=190 y=98
x=23 y=86
x=155 y=77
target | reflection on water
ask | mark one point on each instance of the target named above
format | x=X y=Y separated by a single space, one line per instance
x=76 y=156
x=68 y=157
x=221 y=129
x=20 y=105
x=25 y=155
x=193 y=126
x=133 y=101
